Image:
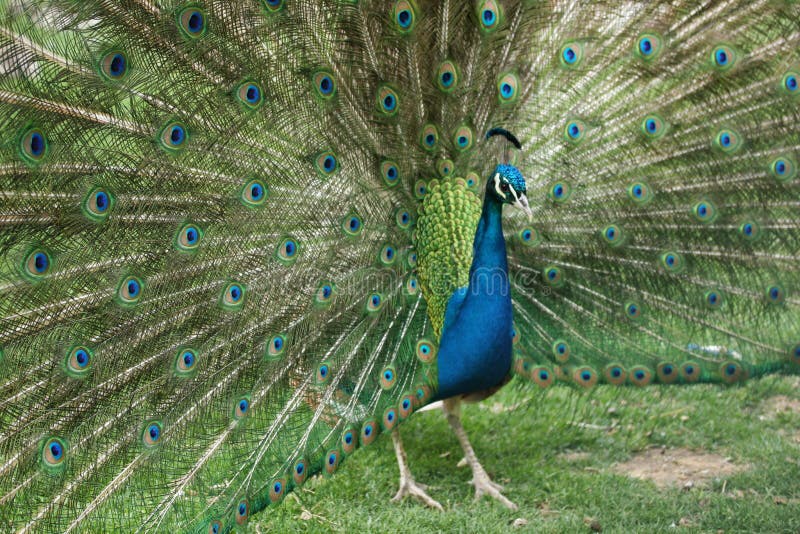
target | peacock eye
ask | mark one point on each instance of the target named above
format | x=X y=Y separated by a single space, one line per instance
x=504 y=187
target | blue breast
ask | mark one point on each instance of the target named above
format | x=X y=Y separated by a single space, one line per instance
x=475 y=345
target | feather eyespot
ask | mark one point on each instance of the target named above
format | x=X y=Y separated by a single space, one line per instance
x=649 y=46
x=723 y=57
x=387 y=255
x=463 y=138
x=151 y=434
x=447 y=76
x=352 y=225
x=192 y=22
x=188 y=238
x=541 y=376
x=420 y=189
x=561 y=350
x=241 y=407
x=731 y=372
x=114 y=65
x=277 y=489
x=374 y=302
x=349 y=440
x=403 y=219
x=254 y=193
x=507 y=88
x=426 y=350
x=423 y=394
x=750 y=230
x=653 y=126
x=775 y=294
x=783 y=168
x=574 y=131
x=369 y=432
x=640 y=193
x=185 y=362
x=273 y=5
x=388 y=378
x=640 y=376
x=242 y=512
x=613 y=235
x=429 y=137
x=215 y=527
x=324 y=84
x=389 y=419
x=490 y=15
x=390 y=173
x=331 y=461
x=129 y=291
x=173 y=137
x=387 y=101
x=405 y=16
x=791 y=83
x=406 y=406
x=704 y=211
x=54 y=452
x=672 y=262
x=728 y=141
x=615 y=374
x=445 y=167
x=690 y=372
x=553 y=276
x=529 y=236
x=37 y=264
x=250 y=95
x=666 y=372
x=794 y=354
x=584 y=376
x=326 y=163
x=78 y=361
x=323 y=373
x=473 y=180
x=325 y=293
x=33 y=146
x=560 y=192
x=288 y=250
x=411 y=259
x=98 y=204
x=633 y=310
x=233 y=296
x=571 y=54
x=300 y=471
x=412 y=285
x=276 y=346
x=713 y=299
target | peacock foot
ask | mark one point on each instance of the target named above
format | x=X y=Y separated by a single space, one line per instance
x=411 y=488
x=408 y=486
x=485 y=486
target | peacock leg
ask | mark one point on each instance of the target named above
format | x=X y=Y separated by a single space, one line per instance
x=480 y=478
x=409 y=486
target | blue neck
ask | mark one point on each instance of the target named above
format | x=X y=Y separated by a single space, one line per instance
x=489 y=247
x=475 y=346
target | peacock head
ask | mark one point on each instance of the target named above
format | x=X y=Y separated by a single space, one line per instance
x=508 y=185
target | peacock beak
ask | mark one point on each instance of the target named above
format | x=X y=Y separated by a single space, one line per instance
x=522 y=203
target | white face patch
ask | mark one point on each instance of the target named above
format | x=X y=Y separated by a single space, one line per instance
x=497 y=185
x=500 y=192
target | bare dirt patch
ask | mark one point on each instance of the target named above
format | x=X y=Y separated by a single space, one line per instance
x=778 y=404
x=678 y=467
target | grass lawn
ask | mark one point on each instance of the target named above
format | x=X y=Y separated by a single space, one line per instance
x=560 y=453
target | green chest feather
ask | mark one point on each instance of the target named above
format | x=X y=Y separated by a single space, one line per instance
x=445 y=231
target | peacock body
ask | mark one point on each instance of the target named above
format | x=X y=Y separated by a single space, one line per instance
x=239 y=240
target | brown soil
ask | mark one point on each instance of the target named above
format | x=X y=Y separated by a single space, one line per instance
x=678 y=467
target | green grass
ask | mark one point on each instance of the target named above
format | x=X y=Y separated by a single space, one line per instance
x=529 y=447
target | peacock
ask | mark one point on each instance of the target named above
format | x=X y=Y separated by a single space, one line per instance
x=241 y=240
